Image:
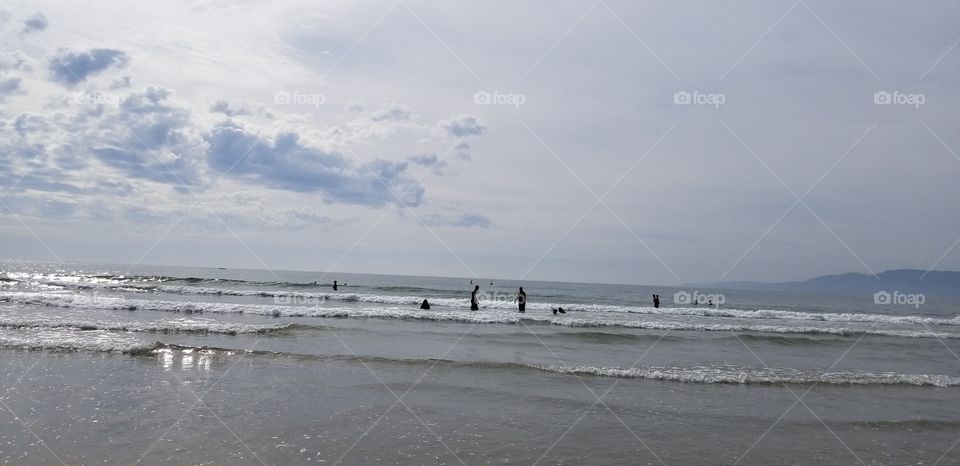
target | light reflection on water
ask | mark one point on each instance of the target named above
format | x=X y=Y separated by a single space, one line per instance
x=189 y=359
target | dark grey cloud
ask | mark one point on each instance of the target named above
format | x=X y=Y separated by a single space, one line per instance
x=287 y=163
x=37 y=22
x=70 y=68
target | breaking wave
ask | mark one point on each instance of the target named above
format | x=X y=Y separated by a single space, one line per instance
x=486 y=316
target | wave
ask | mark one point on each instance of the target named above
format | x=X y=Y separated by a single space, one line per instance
x=166 y=284
x=716 y=374
x=737 y=375
x=58 y=339
x=282 y=297
x=74 y=340
x=487 y=316
x=163 y=326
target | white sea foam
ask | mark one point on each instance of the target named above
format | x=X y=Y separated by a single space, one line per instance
x=483 y=316
x=166 y=325
x=285 y=297
x=73 y=340
x=742 y=375
x=302 y=298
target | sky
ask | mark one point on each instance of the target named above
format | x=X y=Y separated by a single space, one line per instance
x=597 y=141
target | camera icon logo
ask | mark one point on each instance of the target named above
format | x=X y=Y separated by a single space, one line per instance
x=882 y=98
x=482 y=98
x=682 y=98
x=681 y=297
x=281 y=98
x=881 y=297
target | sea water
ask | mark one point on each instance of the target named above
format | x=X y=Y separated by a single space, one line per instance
x=119 y=364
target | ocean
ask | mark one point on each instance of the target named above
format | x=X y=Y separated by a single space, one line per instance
x=111 y=364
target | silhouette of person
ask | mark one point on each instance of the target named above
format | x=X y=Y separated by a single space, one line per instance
x=491 y=283
x=710 y=302
x=425 y=304
x=560 y=310
x=474 y=304
x=521 y=300
x=656 y=301
x=334 y=285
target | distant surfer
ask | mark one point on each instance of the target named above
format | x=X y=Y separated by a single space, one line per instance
x=656 y=301
x=474 y=304
x=491 y=283
x=560 y=310
x=521 y=300
x=425 y=304
x=335 y=285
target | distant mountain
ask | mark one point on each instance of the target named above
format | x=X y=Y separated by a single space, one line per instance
x=903 y=280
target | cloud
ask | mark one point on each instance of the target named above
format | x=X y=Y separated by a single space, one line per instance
x=70 y=68
x=458 y=129
x=14 y=61
x=427 y=160
x=37 y=22
x=151 y=138
x=460 y=221
x=224 y=107
x=304 y=218
x=9 y=86
x=392 y=112
x=462 y=126
x=229 y=109
x=146 y=136
x=285 y=162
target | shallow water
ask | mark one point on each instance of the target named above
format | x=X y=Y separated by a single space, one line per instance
x=193 y=366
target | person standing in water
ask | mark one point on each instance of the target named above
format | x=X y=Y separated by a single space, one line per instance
x=334 y=285
x=656 y=301
x=521 y=300
x=474 y=304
